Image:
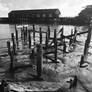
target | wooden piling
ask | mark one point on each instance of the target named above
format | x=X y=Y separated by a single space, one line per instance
x=26 y=34
x=12 y=61
x=39 y=60
x=48 y=32
x=14 y=45
x=29 y=39
x=55 y=44
x=9 y=47
x=46 y=41
x=16 y=32
x=64 y=47
x=34 y=33
x=40 y=35
x=87 y=43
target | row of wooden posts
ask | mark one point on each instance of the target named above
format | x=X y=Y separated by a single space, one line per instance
x=26 y=37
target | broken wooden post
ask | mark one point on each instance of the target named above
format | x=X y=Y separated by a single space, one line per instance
x=39 y=59
x=40 y=33
x=87 y=42
x=13 y=41
x=9 y=47
x=16 y=32
x=55 y=45
x=29 y=39
x=34 y=33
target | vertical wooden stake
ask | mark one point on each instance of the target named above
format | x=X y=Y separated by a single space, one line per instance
x=87 y=43
x=40 y=36
x=55 y=45
x=16 y=31
x=34 y=33
x=46 y=41
x=14 y=46
x=9 y=47
x=48 y=32
x=64 y=47
x=29 y=39
x=39 y=60
x=11 y=60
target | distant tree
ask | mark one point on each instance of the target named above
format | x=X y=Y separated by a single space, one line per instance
x=85 y=14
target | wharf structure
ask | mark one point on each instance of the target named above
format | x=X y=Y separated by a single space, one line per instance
x=38 y=16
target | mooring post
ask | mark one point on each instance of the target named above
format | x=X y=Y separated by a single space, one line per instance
x=13 y=41
x=29 y=39
x=34 y=33
x=39 y=60
x=40 y=33
x=55 y=45
x=9 y=47
x=16 y=32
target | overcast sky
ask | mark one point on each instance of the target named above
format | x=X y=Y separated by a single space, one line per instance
x=69 y=8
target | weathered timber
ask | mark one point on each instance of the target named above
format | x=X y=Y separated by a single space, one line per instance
x=16 y=32
x=48 y=32
x=68 y=37
x=11 y=61
x=29 y=37
x=9 y=47
x=40 y=34
x=39 y=59
x=87 y=43
x=13 y=41
x=34 y=33
x=55 y=44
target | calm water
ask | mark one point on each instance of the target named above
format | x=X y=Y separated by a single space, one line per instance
x=6 y=30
